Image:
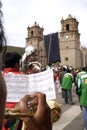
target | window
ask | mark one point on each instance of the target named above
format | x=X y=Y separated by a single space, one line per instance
x=66 y=58
x=67 y=27
x=32 y=33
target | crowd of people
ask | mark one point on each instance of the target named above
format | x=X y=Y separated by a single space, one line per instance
x=69 y=77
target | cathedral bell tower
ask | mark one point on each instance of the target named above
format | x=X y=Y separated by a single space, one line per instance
x=70 y=42
x=35 y=39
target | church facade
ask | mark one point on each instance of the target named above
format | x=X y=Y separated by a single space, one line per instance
x=71 y=52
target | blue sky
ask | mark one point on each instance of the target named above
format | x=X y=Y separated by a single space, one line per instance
x=18 y=14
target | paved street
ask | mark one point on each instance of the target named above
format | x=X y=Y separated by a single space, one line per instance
x=71 y=118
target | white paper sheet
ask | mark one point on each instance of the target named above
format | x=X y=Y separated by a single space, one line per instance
x=19 y=85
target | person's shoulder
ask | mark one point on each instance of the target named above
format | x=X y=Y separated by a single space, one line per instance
x=83 y=76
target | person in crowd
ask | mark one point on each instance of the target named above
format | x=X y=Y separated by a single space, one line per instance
x=56 y=76
x=79 y=74
x=82 y=91
x=62 y=72
x=3 y=90
x=67 y=86
x=11 y=64
x=42 y=118
x=3 y=93
x=76 y=71
x=29 y=60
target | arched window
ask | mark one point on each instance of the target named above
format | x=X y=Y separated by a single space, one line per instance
x=66 y=59
x=67 y=27
x=32 y=33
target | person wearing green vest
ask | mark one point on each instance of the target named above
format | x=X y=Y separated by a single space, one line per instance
x=82 y=72
x=82 y=91
x=67 y=86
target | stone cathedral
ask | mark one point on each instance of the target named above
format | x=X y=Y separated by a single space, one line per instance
x=71 y=52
